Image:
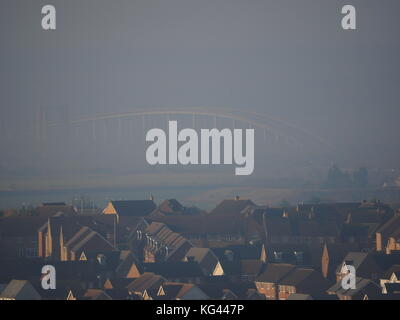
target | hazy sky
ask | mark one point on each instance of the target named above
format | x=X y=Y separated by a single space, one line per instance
x=290 y=59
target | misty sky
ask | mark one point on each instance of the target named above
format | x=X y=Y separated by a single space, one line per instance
x=290 y=59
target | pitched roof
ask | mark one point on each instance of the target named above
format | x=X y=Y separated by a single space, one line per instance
x=251 y=267
x=201 y=224
x=173 y=270
x=134 y=207
x=274 y=272
x=96 y=294
x=239 y=252
x=391 y=226
x=231 y=207
x=392 y=288
x=128 y=259
x=71 y=225
x=205 y=257
x=171 y=206
x=90 y=241
x=356 y=259
x=20 y=290
x=393 y=269
x=117 y=283
x=50 y=210
x=146 y=281
x=337 y=251
x=296 y=277
x=175 y=290
x=177 y=245
x=20 y=226
x=361 y=285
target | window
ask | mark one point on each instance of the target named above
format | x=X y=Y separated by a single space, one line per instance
x=299 y=256
x=30 y=252
x=278 y=256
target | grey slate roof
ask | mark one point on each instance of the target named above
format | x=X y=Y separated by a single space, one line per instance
x=134 y=207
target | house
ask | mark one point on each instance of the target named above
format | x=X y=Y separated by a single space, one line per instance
x=267 y=282
x=173 y=207
x=221 y=288
x=180 y=291
x=205 y=258
x=387 y=236
x=57 y=231
x=19 y=290
x=51 y=209
x=241 y=270
x=207 y=230
x=239 y=252
x=130 y=208
x=333 y=255
x=365 y=289
x=391 y=291
x=18 y=236
x=302 y=280
x=337 y=212
x=365 y=265
x=90 y=294
x=116 y=283
x=296 y=254
x=391 y=276
x=69 y=274
x=280 y=226
x=95 y=294
x=78 y=276
x=127 y=268
x=231 y=207
x=361 y=234
x=83 y=245
x=147 y=285
x=159 y=243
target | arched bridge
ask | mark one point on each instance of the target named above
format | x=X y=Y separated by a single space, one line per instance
x=264 y=124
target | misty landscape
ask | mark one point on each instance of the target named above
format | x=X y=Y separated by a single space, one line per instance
x=104 y=59
x=199 y=150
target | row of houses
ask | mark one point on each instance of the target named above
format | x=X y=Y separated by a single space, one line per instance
x=138 y=250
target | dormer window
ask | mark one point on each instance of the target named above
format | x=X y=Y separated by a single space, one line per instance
x=299 y=256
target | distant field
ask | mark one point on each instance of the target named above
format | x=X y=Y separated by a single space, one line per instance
x=202 y=190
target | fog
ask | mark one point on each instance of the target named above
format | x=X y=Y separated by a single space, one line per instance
x=288 y=59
